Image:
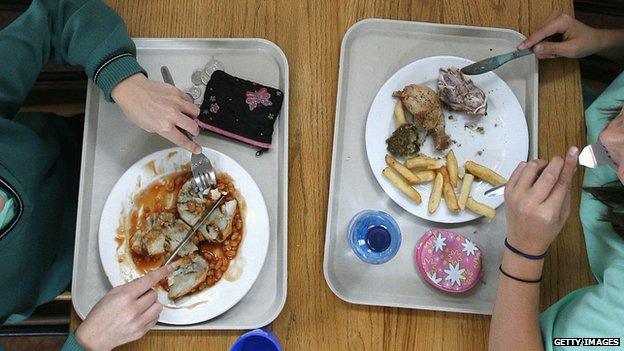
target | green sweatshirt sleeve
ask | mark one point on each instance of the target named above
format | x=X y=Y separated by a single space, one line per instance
x=598 y=310
x=76 y=32
x=71 y=344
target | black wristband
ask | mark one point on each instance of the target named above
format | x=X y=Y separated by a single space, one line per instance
x=520 y=253
x=500 y=268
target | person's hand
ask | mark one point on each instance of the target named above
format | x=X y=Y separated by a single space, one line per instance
x=124 y=314
x=579 y=40
x=537 y=200
x=158 y=108
x=612 y=137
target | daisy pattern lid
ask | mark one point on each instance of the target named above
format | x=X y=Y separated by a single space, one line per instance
x=448 y=261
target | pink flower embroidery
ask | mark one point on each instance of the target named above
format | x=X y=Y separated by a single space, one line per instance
x=254 y=98
x=214 y=108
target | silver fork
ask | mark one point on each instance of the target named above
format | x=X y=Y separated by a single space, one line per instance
x=201 y=167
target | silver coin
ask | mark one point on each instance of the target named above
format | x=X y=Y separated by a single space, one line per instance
x=196 y=77
x=195 y=92
x=213 y=65
x=204 y=78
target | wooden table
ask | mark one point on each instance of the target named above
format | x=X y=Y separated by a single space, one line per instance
x=310 y=33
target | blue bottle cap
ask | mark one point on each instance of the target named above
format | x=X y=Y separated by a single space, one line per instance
x=257 y=340
x=374 y=236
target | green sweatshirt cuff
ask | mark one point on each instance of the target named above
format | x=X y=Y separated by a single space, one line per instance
x=115 y=72
x=71 y=344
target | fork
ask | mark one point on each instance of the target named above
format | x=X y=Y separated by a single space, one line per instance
x=201 y=167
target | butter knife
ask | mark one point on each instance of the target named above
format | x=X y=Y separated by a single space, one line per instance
x=196 y=226
x=492 y=63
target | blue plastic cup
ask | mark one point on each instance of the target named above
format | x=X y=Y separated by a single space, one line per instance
x=374 y=236
x=257 y=340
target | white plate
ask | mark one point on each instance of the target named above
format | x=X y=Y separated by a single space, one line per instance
x=504 y=143
x=212 y=301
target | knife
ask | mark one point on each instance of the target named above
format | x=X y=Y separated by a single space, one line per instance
x=192 y=231
x=492 y=63
x=592 y=156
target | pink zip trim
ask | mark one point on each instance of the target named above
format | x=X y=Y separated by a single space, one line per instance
x=232 y=135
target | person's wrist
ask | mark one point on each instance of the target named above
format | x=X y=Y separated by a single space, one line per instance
x=125 y=86
x=521 y=267
x=87 y=340
x=526 y=246
x=607 y=39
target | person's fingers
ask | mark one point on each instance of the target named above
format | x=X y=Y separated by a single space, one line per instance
x=547 y=180
x=147 y=327
x=188 y=124
x=176 y=137
x=515 y=175
x=565 y=210
x=151 y=314
x=139 y=286
x=558 y=24
x=530 y=173
x=562 y=187
x=187 y=97
x=189 y=109
x=541 y=57
x=551 y=49
x=146 y=300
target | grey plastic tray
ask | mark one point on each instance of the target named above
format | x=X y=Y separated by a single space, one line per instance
x=112 y=144
x=372 y=50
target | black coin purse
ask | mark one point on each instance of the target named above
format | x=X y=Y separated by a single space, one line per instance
x=240 y=109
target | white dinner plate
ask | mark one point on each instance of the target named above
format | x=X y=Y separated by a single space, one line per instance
x=502 y=145
x=243 y=270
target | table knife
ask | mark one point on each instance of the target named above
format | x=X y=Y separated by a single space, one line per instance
x=592 y=156
x=492 y=63
x=196 y=226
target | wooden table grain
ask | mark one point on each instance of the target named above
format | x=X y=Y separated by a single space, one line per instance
x=310 y=33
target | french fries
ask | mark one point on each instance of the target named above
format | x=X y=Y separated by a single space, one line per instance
x=449 y=198
x=407 y=189
x=423 y=162
x=436 y=193
x=402 y=170
x=480 y=208
x=445 y=175
x=425 y=176
x=484 y=173
x=464 y=192
x=448 y=192
x=451 y=165
x=399 y=114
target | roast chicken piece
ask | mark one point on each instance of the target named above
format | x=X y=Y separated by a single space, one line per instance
x=425 y=106
x=189 y=272
x=459 y=92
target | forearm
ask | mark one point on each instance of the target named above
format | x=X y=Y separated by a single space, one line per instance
x=515 y=322
x=612 y=44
